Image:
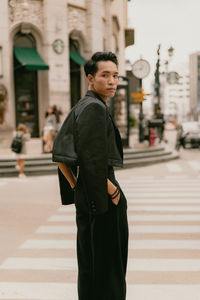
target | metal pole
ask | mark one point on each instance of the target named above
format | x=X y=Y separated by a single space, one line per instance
x=141 y=117
x=157 y=79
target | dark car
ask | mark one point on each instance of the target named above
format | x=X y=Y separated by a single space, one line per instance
x=188 y=135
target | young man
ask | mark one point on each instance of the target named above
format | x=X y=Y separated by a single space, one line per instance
x=90 y=140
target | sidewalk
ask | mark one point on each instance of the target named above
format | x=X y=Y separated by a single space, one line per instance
x=35 y=147
x=38 y=163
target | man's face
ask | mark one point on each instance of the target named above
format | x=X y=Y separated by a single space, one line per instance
x=105 y=81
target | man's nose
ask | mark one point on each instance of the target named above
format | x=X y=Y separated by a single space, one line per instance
x=111 y=80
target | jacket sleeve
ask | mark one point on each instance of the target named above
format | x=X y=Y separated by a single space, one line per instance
x=92 y=155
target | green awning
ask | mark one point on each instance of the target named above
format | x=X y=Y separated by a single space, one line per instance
x=77 y=58
x=30 y=58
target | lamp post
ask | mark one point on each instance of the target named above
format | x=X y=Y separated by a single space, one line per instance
x=141 y=69
x=157 y=74
x=157 y=79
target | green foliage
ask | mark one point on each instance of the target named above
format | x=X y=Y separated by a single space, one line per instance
x=132 y=121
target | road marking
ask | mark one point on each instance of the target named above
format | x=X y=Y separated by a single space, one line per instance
x=173 y=167
x=162 y=183
x=38 y=291
x=172 y=177
x=132 y=229
x=50 y=263
x=194 y=164
x=164 y=244
x=62 y=218
x=3 y=183
x=164 y=195
x=57 y=229
x=163 y=292
x=133 y=200
x=139 y=217
x=66 y=208
x=157 y=217
x=133 y=244
x=70 y=264
x=175 y=265
x=48 y=244
x=63 y=291
x=163 y=189
x=164 y=229
x=148 y=208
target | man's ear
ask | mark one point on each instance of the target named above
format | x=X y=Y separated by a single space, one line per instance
x=90 y=78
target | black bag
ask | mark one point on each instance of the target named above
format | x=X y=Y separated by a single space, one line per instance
x=16 y=144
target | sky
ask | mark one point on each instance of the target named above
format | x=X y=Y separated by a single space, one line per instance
x=173 y=23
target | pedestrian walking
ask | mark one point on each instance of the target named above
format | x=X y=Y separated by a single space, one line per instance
x=19 y=148
x=160 y=129
x=87 y=148
x=57 y=112
x=49 y=131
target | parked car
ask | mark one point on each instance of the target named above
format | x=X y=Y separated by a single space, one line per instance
x=188 y=135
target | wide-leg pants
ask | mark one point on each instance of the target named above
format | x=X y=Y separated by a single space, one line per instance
x=102 y=250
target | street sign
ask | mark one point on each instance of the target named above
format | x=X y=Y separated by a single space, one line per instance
x=138 y=96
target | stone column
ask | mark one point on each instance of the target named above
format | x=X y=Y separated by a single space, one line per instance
x=7 y=127
x=6 y=59
x=55 y=28
x=95 y=25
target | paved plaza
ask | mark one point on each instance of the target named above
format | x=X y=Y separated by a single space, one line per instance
x=38 y=235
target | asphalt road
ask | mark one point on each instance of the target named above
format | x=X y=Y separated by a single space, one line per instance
x=37 y=234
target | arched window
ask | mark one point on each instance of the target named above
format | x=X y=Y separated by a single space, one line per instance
x=26 y=87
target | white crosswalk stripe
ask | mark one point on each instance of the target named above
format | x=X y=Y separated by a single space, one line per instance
x=174 y=167
x=194 y=164
x=63 y=291
x=134 y=264
x=66 y=229
x=57 y=229
x=133 y=244
x=48 y=244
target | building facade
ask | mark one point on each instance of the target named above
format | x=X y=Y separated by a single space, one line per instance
x=177 y=97
x=43 y=46
x=195 y=85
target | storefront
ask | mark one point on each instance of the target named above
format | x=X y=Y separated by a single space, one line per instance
x=27 y=62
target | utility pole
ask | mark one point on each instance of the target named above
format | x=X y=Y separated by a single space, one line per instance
x=157 y=80
x=138 y=99
x=141 y=117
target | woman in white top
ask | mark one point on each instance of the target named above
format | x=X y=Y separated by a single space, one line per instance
x=49 y=130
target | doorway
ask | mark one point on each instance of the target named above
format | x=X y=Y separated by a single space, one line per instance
x=75 y=74
x=26 y=88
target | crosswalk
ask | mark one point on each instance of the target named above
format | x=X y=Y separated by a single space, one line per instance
x=164 y=245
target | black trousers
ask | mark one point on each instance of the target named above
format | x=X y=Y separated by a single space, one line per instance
x=102 y=250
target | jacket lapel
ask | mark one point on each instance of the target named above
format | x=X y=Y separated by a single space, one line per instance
x=117 y=134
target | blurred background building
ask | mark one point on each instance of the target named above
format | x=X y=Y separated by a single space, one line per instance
x=176 y=96
x=195 y=85
x=43 y=47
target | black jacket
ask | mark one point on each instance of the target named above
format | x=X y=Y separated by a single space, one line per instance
x=89 y=139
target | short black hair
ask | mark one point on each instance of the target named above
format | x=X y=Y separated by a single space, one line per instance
x=91 y=66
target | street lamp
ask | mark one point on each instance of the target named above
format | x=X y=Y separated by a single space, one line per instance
x=157 y=74
x=171 y=51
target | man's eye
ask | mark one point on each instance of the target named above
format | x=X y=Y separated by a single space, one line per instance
x=116 y=76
